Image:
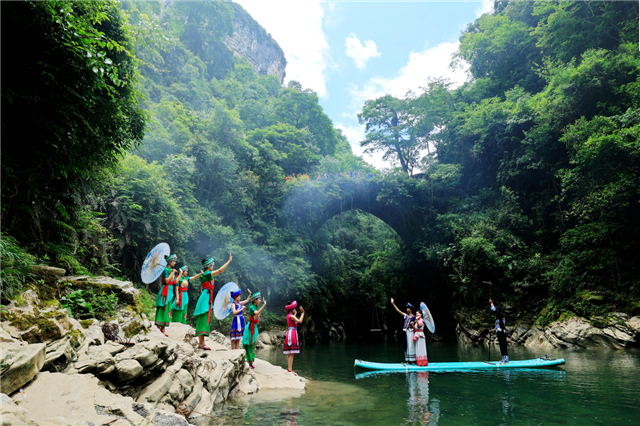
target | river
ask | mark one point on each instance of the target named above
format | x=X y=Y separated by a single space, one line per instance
x=597 y=386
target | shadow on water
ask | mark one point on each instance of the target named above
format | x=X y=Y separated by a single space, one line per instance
x=593 y=387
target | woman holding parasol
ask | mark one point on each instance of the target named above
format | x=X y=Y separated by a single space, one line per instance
x=205 y=302
x=165 y=296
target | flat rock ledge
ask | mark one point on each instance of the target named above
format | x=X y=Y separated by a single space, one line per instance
x=616 y=332
x=144 y=383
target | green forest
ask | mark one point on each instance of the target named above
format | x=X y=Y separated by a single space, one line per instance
x=126 y=124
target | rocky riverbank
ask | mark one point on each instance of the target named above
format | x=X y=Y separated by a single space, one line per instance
x=617 y=331
x=121 y=372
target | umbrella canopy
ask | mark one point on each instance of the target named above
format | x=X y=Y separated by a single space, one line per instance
x=154 y=263
x=222 y=304
x=428 y=319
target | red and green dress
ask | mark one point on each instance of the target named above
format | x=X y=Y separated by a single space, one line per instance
x=250 y=336
x=180 y=301
x=164 y=299
x=204 y=308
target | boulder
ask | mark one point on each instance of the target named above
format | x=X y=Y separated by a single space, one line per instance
x=186 y=381
x=74 y=399
x=146 y=357
x=94 y=335
x=48 y=273
x=124 y=289
x=113 y=348
x=154 y=392
x=127 y=370
x=20 y=364
x=35 y=325
x=196 y=394
x=59 y=354
x=12 y=414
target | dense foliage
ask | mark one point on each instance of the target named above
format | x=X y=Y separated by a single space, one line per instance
x=526 y=176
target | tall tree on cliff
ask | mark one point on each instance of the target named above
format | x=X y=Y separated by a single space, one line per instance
x=70 y=110
x=388 y=127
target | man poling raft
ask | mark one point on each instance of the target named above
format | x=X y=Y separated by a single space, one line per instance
x=165 y=296
x=181 y=298
x=250 y=336
x=205 y=301
x=501 y=332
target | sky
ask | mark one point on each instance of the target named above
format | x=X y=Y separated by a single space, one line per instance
x=352 y=51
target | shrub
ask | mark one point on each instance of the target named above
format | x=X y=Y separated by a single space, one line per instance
x=15 y=269
x=87 y=303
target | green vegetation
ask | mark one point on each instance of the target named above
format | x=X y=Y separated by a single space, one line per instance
x=530 y=179
x=15 y=269
x=89 y=303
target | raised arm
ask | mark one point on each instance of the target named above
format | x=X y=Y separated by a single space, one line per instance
x=244 y=302
x=398 y=310
x=293 y=317
x=259 y=311
x=223 y=267
x=195 y=276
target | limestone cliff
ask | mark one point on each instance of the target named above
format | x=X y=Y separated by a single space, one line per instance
x=254 y=43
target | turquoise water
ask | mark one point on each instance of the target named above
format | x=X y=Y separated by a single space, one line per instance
x=593 y=387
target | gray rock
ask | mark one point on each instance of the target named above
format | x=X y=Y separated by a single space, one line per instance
x=94 y=335
x=127 y=370
x=59 y=355
x=113 y=348
x=146 y=357
x=169 y=419
x=186 y=380
x=124 y=289
x=20 y=364
x=12 y=414
x=157 y=389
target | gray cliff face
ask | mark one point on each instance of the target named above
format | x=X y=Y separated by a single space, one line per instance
x=252 y=41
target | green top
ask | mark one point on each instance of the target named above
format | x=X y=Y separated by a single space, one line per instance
x=165 y=274
x=206 y=276
x=252 y=310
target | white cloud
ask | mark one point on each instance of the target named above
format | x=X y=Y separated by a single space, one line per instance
x=419 y=70
x=354 y=135
x=360 y=53
x=297 y=27
x=485 y=7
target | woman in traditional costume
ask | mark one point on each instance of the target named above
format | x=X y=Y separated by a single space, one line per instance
x=181 y=299
x=250 y=336
x=408 y=344
x=205 y=301
x=165 y=296
x=291 y=343
x=237 y=325
x=420 y=339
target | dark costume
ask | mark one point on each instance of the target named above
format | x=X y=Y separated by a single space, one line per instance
x=501 y=332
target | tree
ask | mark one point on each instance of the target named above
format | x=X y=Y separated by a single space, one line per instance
x=388 y=129
x=70 y=109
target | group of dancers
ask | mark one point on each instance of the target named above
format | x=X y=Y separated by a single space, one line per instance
x=173 y=300
x=415 y=344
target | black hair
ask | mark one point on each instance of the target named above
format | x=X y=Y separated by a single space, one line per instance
x=420 y=310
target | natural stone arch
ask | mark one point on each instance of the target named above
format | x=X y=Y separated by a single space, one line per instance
x=405 y=215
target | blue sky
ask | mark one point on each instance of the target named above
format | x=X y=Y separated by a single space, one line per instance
x=349 y=52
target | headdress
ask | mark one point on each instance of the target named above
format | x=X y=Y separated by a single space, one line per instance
x=171 y=258
x=208 y=262
x=292 y=306
x=413 y=308
x=255 y=295
x=236 y=293
x=184 y=268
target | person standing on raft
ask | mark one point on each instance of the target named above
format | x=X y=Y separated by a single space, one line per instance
x=250 y=336
x=501 y=332
x=291 y=342
x=237 y=325
x=165 y=296
x=181 y=299
x=205 y=301
x=408 y=344
x=420 y=339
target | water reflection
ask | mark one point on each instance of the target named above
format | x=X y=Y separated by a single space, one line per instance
x=421 y=412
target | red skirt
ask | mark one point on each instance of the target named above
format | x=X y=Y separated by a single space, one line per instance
x=291 y=344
